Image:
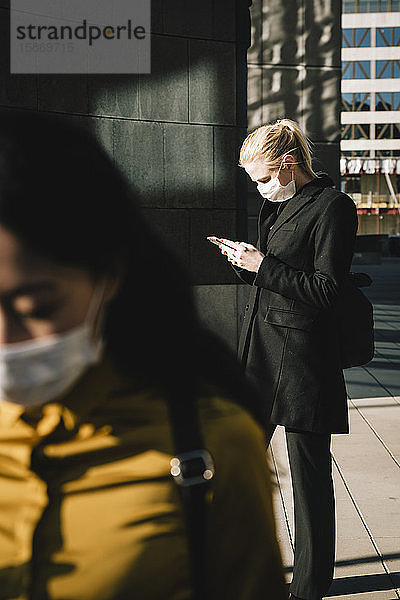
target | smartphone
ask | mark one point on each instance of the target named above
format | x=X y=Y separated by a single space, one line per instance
x=219 y=242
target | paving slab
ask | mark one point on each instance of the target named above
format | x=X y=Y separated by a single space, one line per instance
x=375 y=594
x=372 y=475
x=388 y=351
x=358 y=560
x=391 y=559
x=283 y=499
x=383 y=416
x=388 y=376
x=360 y=383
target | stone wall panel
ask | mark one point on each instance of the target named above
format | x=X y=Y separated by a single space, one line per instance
x=138 y=151
x=188 y=166
x=212 y=85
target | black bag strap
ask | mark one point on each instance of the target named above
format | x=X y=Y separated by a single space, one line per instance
x=192 y=469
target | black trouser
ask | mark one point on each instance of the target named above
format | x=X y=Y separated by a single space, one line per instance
x=314 y=512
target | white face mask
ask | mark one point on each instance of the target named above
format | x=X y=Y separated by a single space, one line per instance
x=36 y=371
x=274 y=190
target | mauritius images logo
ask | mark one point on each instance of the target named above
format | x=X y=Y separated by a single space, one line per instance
x=80 y=37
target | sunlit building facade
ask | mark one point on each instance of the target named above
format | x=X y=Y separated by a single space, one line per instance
x=294 y=71
x=370 y=146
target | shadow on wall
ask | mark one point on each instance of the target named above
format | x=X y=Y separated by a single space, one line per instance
x=174 y=133
x=294 y=70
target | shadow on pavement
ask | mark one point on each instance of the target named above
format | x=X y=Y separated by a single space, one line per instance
x=386 y=335
x=359 y=584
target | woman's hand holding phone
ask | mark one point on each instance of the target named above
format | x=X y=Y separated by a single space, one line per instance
x=240 y=254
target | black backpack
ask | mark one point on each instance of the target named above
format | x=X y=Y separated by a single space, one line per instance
x=355 y=318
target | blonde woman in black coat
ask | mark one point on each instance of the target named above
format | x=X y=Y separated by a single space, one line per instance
x=289 y=343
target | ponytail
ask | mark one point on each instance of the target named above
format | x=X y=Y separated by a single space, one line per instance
x=272 y=142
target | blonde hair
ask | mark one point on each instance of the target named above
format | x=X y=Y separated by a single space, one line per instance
x=272 y=142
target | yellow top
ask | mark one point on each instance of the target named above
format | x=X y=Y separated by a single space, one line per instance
x=88 y=510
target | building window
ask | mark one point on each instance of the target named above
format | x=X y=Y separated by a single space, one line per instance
x=353 y=184
x=373 y=5
x=363 y=6
x=356 y=102
x=357 y=69
x=355 y=153
x=356 y=38
x=387 y=36
x=386 y=153
x=387 y=69
x=387 y=131
x=387 y=101
x=355 y=132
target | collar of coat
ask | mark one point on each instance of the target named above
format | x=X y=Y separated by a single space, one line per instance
x=99 y=387
x=305 y=195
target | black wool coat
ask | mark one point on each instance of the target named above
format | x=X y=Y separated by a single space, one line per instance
x=289 y=343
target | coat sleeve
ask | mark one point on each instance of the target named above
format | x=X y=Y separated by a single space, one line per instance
x=334 y=238
x=246 y=276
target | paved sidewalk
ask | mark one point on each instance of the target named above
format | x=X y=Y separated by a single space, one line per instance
x=366 y=463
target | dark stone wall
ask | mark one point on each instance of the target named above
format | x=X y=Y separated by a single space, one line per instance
x=175 y=133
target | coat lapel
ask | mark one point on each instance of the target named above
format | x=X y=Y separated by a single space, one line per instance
x=307 y=194
x=266 y=217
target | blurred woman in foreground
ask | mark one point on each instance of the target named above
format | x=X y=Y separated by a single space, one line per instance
x=99 y=345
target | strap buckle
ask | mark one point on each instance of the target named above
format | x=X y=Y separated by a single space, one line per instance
x=192 y=468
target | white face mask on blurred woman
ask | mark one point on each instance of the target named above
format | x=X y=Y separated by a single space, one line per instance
x=274 y=191
x=35 y=371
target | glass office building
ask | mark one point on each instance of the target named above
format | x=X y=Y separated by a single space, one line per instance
x=370 y=146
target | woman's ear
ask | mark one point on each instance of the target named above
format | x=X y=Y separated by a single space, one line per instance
x=290 y=162
x=112 y=282
x=111 y=287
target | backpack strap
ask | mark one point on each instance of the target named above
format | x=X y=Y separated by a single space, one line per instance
x=192 y=468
